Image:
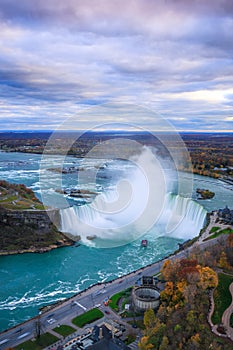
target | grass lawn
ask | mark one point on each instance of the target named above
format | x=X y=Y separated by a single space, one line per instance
x=214 y=229
x=87 y=317
x=225 y=231
x=116 y=297
x=222 y=297
x=64 y=330
x=39 y=344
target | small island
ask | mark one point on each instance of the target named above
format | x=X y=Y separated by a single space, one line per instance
x=24 y=223
x=204 y=194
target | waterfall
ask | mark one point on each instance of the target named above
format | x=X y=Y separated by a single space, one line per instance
x=142 y=201
x=181 y=218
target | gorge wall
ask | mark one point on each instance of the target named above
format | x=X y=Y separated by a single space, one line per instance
x=29 y=230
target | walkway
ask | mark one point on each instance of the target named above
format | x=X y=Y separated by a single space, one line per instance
x=213 y=223
x=213 y=327
x=227 y=315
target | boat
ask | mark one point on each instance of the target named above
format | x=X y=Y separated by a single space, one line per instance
x=144 y=243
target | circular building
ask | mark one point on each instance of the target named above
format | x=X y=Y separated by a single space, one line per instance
x=145 y=297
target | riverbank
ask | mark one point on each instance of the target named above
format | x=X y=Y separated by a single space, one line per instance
x=38 y=250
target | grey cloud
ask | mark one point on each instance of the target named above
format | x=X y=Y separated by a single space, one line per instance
x=63 y=54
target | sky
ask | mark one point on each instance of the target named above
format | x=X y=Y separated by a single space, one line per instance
x=59 y=58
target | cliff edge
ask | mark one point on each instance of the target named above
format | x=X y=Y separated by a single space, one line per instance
x=24 y=223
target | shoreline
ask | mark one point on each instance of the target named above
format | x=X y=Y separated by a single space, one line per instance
x=35 y=250
x=212 y=175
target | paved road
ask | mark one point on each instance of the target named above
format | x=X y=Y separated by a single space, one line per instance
x=75 y=306
x=83 y=301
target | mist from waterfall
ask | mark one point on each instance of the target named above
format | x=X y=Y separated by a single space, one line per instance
x=144 y=200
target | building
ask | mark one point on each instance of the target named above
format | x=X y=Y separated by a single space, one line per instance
x=103 y=336
x=104 y=340
x=146 y=294
x=226 y=215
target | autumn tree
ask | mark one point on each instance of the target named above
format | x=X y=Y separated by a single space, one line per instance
x=144 y=343
x=223 y=263
x=208 y=278
x=164 y=344
x=169 y=270
x=149 y=318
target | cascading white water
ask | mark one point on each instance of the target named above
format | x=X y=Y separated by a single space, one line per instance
x=182 y=217
x=185 y=216
x=141 y=202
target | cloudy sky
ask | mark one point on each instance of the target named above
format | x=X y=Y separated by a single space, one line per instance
x=60 y=57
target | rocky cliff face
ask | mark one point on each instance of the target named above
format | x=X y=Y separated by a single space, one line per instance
x=36 y=219
x=30 y=230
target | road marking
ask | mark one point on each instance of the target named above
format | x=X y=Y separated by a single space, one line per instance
x=83 y=307
x=4 y=341
x=102 y=291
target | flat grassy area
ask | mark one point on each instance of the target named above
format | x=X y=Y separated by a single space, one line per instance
x=64 y=330
x=116 y=297
x=222 y=297
x=214 y=229
x=39 y=344
x=87 y=317
x=225 y=231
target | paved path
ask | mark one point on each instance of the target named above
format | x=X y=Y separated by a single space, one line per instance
x=213 y=223
x=213 y=327
x=227 y=315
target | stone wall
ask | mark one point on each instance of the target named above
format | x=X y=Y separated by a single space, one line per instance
x=145 y=298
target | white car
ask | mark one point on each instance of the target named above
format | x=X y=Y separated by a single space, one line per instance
x=51 y=321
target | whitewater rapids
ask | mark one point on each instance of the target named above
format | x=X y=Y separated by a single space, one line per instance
x=142 y=201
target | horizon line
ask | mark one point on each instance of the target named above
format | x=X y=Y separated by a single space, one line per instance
x=116 y=131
